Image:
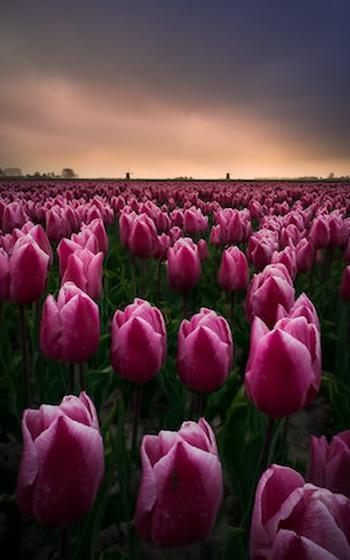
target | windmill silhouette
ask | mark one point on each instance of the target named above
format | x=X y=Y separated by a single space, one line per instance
x=128 y=174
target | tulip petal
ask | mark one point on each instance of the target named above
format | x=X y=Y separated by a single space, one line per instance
x=70 y=469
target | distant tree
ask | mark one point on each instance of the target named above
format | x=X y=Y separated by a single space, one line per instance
x=331 y=175
x=68 y=173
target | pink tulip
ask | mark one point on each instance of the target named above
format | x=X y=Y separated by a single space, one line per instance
x=267 y=292
x=70 y=326
x=297 y=521
x=261 y=246
x=345 y=284
x=62 y=462
x=233 y=273
x=215 y=235
x=184 y=266
x=288 y=258
x=283 y=372
x=305 y=253
x=65 y=248
x=182 y=486
x=330 y=463
x=205 y=351
x=57 y=225
x=303 y=307
x=138 y=344
x=203 y=250
x=97 y=228
x=319 y=233
x=85 y=239
x=28 y=271
x=143 y=237
x=39 y=235
x=125 y=224
x=85 y=270
x=13 y=216
x=194 y=222
x=337 y=231
x=162 y=246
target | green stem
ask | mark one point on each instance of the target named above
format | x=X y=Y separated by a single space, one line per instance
x=184 y=304
x=64 y=544
x=137 y=410
x=284 y=438
x=311 y=278
x=81 y=377
x=232 y=308
x=71 y=378
x=159 y=280
x=267 y=446
x=142 y=277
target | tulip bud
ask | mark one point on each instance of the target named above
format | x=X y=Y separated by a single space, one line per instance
x=233 y=273
x=294 y=520
x=182 y=486
x=205 y=351
x=138 y=345
x=319 y=233
x=203 y=250
x=267 y=291
x=28 y=271
x=283 y=372
x=143 y=237
x=70 y=326
x=97 y=228
x=13 y=216
x=85 y=270
x=330 y=463
x=305 y=255
x=288 y=258
x=184 y=266
x=62 y=463
x=194 y=222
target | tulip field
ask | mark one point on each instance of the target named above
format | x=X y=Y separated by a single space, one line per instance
x=174 y=370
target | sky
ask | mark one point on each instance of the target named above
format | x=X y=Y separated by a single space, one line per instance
x=167 y=88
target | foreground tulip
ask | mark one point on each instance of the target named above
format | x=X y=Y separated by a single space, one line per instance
x=138 y=344
x=297 y=521
x=330 y=463
x=284 y=367
x=28 y=271
x=233 y=273
x=182 y=486
x=62 y=463
x=70 y=326
x=184 y=265
x=205 y=351
x=270 y=292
